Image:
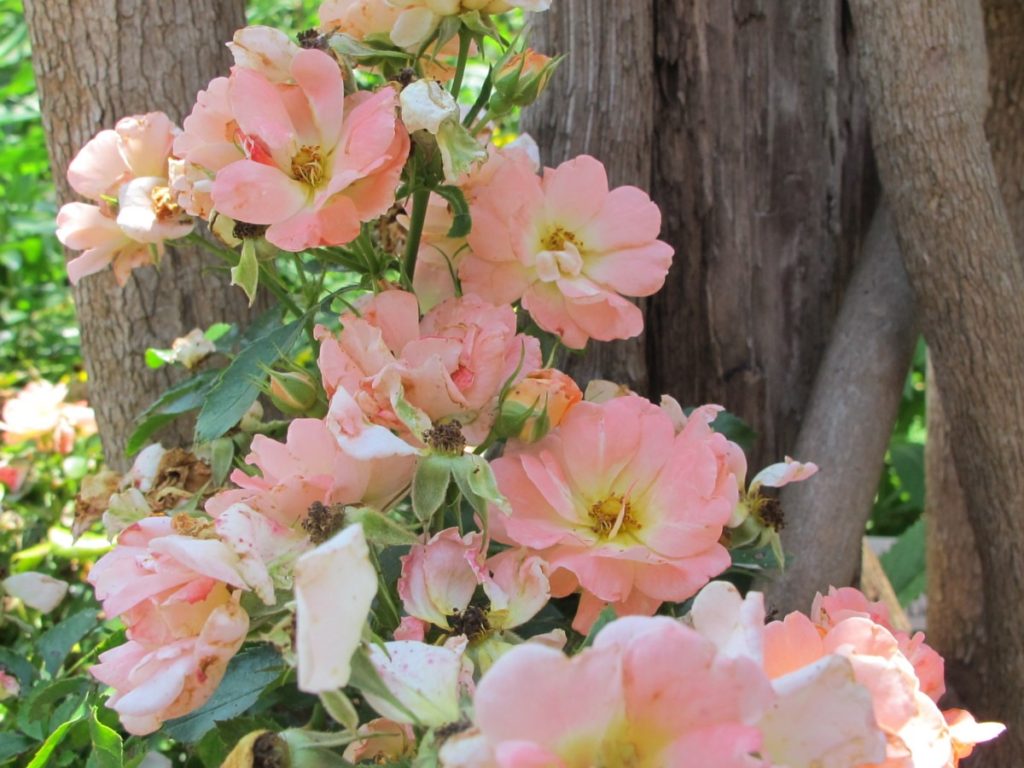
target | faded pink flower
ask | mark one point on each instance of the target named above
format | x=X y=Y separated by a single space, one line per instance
x=439 y=579
x=41 y=413
x=620 y=505
x=419 y=19
x=36 y=590
x=125 y=171
x=450 y=365
x=210 y=140
x=317 y=164
x=178 y=673
x=334 y=587
x=570 y=248
x=312 y=465
x=358 y=19
x=650 y=692
x=428 y=681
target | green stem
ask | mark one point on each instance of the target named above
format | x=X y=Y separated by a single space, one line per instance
x=465 y=40
x=481 y=124
x=420 y=199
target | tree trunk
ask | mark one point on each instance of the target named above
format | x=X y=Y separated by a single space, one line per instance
x=95 y=62
x=925 y=95
x=847 y=426
x=955 y=612
x=744 y=120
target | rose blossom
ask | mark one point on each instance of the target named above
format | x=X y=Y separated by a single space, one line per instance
x=419 y=19
x=174 y=585
x=339 y=460
x=39 y=412
x=125 y=171
x=317 y=164
x=450 y=365
x=619 y=504
x=649 y=692
x=570 y=248
x=917 y=732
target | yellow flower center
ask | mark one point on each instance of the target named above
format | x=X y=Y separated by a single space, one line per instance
x=308 y=166
x=558 y=237
x=612 y=516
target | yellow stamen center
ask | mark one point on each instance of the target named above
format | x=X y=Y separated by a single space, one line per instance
x=612 y=516
x=558 y=237
x=308 y=166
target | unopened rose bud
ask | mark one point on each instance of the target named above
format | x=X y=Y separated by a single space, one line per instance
x=522 y=79
x=9 y=685
x=294 y=393
x=537 y=404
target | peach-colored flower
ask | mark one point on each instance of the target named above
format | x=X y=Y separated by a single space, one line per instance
x=40 y=412
x=439 y=257
x=179 y=672
x=917 y=732
x=313 y=466
x=539 y=403
x=358 y=19
x=334 y=587
x=649 y=693
x=385 y=741
x=317 y=164
x=210 y=140
x=570 y=248
x=620 y=505
x=450 y=365
x=125 y=171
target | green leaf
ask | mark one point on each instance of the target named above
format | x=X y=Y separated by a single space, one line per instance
x=430 y=485
x=604 y=618
x=217 y=331
x=461 y=221
x=736 y=429
x=222 y=454
x=158 y=358
x=756 y=559
x=341 y=709
x=476 y=481
x=12 y=744
x=181 y=398
x=908 y=461
x=238 y=385
x=379 y=528
x=246 y=274
x=18 y=666
x=55 y=644
x=50 y=702
x=370 y=54
x=904 y=564
x=42 y=757
x=248 y=674
x=107 y=747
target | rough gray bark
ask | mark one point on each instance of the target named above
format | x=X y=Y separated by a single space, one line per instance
x=847 y=425
x=745 y=122
x=955 y=613
x=928 y=129
x=95 y=62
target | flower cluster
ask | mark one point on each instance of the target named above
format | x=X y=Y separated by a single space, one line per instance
x=506 y=570
x=41 y=413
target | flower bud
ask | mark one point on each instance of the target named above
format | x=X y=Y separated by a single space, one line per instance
x=536 y=404
x=523 y=79
x=294 y=393
x=9 y=685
